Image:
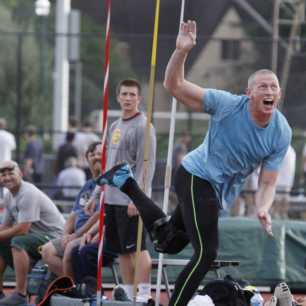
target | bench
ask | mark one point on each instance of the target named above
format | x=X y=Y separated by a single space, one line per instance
x=183 y=262
x=38 y=273
x=168 y=262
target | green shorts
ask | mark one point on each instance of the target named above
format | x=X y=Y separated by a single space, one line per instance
x=30 y=243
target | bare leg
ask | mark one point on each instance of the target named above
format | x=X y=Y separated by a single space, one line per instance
x=126 y=266
x=50 y=257
x=144 y=270
x=2 y=269
x=22 y=265
x=127 y=269
x=67 y=263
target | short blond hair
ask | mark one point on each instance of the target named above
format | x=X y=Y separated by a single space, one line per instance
x=253 y=76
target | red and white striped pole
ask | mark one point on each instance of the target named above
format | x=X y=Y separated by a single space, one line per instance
x=104 y=133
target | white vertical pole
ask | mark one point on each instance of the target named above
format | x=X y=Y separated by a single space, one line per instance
x=61 y=71
x=168 y=174
x=275 y=36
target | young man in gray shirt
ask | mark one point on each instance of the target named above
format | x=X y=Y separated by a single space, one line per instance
x=126 y=142
x=30 y=220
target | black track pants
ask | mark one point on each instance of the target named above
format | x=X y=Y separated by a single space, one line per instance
x=197 y=214
x=200 y=209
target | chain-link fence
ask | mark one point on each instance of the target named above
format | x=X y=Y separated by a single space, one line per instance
x=223 y=59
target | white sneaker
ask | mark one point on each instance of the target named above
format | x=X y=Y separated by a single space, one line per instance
x=143 y=298
x=283 y=295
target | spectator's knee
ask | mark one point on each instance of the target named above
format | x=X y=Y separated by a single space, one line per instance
x=46 y=251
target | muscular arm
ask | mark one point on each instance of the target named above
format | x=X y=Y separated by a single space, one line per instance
x=15 y=230
x=186 y=92
x=264 y=197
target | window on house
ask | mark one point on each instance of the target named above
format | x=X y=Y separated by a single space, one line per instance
x=230 y=49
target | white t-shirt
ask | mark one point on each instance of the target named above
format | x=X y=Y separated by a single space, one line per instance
x=69 y=177
x=287 y=171
x=7 y=145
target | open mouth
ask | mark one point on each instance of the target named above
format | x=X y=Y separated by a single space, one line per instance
x=268 y=102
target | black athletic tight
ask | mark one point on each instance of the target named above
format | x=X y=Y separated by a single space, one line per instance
x=197 y=212
x=200 y=209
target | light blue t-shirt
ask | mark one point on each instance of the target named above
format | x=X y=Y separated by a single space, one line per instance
x=234 y=145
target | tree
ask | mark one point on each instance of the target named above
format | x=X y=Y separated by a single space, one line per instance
x=22 y=30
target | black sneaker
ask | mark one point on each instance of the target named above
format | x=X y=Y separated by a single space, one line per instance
x=119 y=294
x=151 y=302
x=166 y=238
x=116 y=176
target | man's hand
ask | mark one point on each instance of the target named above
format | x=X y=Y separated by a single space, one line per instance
x=132 y=210
x=86 y=238
x=265 y=220
x=187 y=36
x=68 y=238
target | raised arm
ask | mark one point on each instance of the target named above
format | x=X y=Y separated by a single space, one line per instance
x=186 y=92
x=264 y=197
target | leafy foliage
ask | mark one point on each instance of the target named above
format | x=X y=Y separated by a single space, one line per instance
x=21 y=29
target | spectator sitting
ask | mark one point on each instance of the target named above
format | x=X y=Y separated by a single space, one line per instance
x=33 y=156
x=30 y=220
x=284 y=185
x=71 y=179
x=57 y=253
x=85 y=256
x=65 y=151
